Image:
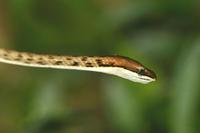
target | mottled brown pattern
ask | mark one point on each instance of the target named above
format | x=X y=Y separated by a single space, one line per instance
x=76 y=61
x=107 y=61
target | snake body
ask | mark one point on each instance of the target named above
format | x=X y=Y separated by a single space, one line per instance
x=116 y=65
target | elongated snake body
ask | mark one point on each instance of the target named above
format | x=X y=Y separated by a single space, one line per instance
x=116 y=65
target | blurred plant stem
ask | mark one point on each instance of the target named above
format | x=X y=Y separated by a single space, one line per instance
x=5 y=33
x=186 y=91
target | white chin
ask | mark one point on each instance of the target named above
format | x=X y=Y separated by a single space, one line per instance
x=146 y=81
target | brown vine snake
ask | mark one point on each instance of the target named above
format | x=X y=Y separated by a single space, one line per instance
x=116 y=65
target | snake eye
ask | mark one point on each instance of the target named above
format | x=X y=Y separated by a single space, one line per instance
x=141 y=71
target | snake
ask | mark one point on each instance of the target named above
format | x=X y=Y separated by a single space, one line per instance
x=120 y=66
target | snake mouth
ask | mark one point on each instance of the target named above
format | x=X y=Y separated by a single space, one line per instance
x=147 y=79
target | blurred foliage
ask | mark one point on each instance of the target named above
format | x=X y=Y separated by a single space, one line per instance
x=164 y=35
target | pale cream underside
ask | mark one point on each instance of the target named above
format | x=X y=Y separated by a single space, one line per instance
x=121 y=72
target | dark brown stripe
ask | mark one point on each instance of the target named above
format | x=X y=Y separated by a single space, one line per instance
x=5 y=54
x=50 y=57
x=17 y=59
x=20 y=55
x=27 y=62
x=105 y=65
x=84 y=58
x=75 y=63
x=88 y=64
x=58 y=62
x=99 y=61
x=68 y=58
x=41 y=62
x=40 y=58
x=29 y=59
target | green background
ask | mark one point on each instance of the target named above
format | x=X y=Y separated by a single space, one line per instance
x=163 y=35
